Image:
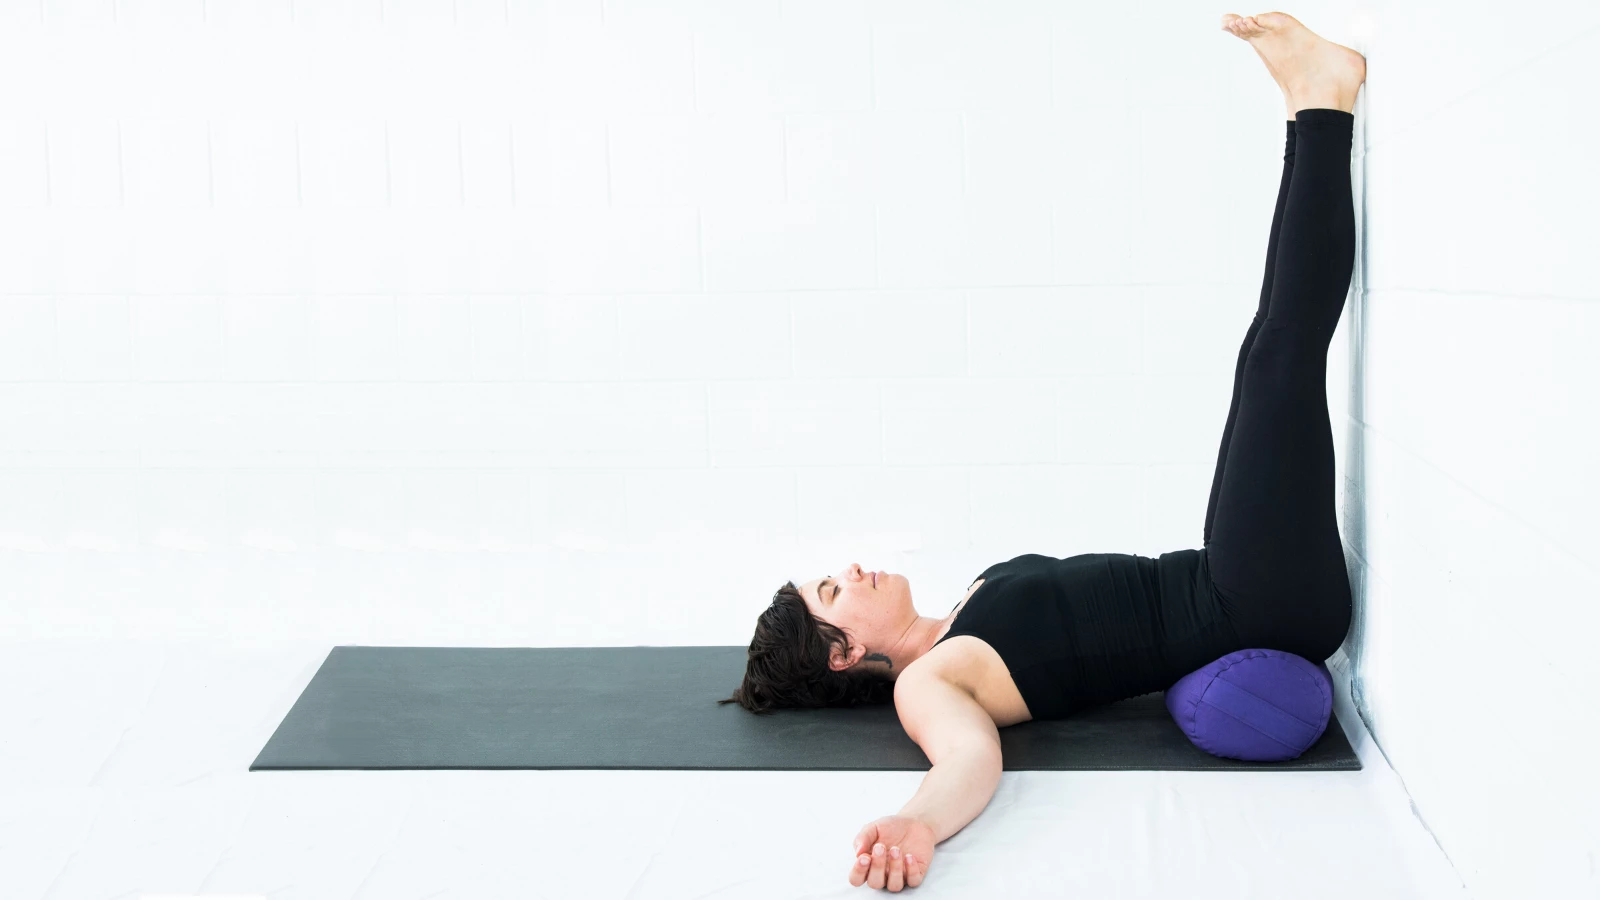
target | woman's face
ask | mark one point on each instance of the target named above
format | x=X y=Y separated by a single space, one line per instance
x=874 y=608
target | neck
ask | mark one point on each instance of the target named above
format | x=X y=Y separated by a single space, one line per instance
x=916 y=641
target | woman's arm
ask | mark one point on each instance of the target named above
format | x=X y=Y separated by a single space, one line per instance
x=960 y=740
x=954 y=791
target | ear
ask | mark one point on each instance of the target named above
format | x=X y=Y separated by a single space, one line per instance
x=840 y=660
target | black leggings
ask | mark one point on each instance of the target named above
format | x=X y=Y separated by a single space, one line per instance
x=1271 y=537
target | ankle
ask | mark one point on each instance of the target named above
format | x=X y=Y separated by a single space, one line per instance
x=1321 y=98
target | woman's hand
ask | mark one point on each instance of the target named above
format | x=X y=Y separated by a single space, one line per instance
x=896 y=851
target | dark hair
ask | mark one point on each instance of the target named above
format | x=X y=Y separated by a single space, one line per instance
x=787 y=666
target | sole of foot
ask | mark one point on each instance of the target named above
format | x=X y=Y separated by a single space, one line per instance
x=1311 y=70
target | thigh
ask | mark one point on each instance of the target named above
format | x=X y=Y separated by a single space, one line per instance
x=1275 y=554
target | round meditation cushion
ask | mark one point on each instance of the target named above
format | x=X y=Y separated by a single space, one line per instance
x=1257 y=705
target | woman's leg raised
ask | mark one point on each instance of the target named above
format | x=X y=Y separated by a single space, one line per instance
x=1255 y=325
x=1275 y=552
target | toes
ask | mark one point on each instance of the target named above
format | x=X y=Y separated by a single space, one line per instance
x=1243 y=26
x=1273 y=19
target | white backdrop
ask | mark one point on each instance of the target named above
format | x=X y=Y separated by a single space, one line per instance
x=591 y=322
x=1467 y=454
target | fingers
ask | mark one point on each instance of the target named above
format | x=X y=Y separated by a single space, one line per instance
x=858 y=872
x=886 y=868
x=863 y=844
x=879 y=866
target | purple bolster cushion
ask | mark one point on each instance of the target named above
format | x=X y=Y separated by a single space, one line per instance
x=1258 y=705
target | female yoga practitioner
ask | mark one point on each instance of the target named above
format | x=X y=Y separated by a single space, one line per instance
x=1046 y=636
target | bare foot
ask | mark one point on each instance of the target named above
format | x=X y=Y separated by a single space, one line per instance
x=1311 y=71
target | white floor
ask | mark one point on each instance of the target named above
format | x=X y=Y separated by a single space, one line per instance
x=124 y=772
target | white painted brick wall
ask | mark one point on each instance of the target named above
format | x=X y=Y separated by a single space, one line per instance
x=593 y=321
x=1465 y=378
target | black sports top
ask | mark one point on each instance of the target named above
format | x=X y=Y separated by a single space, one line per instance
x=1098 y=627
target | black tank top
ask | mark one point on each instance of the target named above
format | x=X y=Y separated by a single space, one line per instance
x=1096 y=628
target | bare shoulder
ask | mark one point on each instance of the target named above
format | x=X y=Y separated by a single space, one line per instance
x=969 y=663
x=942 y=718
x=955 y=660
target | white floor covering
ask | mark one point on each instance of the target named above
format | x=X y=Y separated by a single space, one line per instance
x=124 y=773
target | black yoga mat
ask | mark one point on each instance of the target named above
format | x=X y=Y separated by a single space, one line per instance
x=655 y=708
